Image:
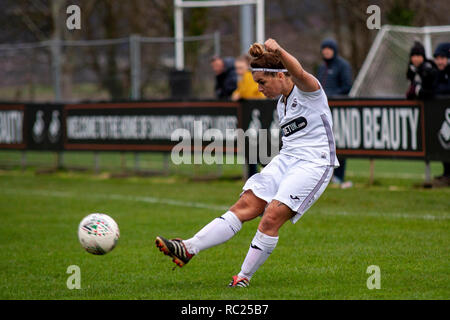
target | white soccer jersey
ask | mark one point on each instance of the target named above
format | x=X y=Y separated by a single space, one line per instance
x=306 y=127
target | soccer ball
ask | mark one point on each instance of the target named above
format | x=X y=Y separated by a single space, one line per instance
x=98 y=233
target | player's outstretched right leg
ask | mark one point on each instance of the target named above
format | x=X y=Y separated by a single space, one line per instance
x=174 y=248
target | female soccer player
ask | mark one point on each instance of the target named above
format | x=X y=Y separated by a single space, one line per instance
x=287 y=187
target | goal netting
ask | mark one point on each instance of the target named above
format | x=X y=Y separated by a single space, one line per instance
x=383 y=73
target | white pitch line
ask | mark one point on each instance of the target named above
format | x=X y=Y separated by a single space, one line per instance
x=62 y=194
x=390 y=215
x=189 y=204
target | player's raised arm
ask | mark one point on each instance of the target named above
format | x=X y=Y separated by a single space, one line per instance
x=302 y=79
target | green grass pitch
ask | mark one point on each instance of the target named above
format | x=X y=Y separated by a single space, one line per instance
x=392 y=224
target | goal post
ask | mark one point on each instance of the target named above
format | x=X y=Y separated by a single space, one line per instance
x=383 y=73
x=179 y=6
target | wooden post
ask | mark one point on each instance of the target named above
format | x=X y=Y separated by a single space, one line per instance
x=372 y=171
x=427 y=183
x=123 y=162
x=136 y=161
x=59 y=160
x=219 y=169
x=96 y=162
x=166 y=164
x=245 y=171
x=23 y=160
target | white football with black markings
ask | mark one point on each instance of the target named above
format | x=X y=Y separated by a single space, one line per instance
x=98 y=233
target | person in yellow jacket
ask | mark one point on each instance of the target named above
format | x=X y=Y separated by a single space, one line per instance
x=247 y=88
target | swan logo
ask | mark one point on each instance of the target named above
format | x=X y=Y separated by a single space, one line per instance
x=38 y=127
x=54 y=129
x=275 y=126
x=294 y=103
x=444 y=132
x=255 y=123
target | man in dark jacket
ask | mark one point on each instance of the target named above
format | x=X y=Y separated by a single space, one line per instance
x=441 y=58
x=335 y=73
x=421 y=73
x=226 y=77
x=442 y=87
x=335 y=76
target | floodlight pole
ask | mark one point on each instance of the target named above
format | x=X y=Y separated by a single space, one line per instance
x=179 y=5
x=247 y=28
x=135 y=63
x=179 y=35
x=260 y=27
x=56 y=50
x=427 y=43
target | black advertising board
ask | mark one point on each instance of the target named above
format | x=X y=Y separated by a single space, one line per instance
x=31 y=126
x=362 y=128
x=437 y=123
x=379 y=128
x=144 y=126
x=259 y=115
x=12 y=126
x=45 y=127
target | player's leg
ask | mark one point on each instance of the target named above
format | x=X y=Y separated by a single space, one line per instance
x=302 y=185
x=218 y=231
x=226 y=226
x=264 y=242
x=258 y=191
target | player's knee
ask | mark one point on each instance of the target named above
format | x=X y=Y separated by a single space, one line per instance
x=274 y=217
x=241 y=205
x=245 y=208
x=269 y=223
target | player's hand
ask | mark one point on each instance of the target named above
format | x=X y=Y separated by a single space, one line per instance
x=272 y=46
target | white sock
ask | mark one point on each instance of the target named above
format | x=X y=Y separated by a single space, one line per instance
x=216 y=232
x=260 y=249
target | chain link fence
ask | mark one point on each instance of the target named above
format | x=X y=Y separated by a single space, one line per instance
x=136 y=67
x=131 y=68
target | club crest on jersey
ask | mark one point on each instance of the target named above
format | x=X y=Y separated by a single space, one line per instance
x=293 y=126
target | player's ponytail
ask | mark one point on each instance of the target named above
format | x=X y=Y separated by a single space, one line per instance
x=256 y=50
x=262 y=59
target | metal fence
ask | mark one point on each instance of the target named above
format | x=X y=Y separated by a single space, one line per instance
x=134 y=68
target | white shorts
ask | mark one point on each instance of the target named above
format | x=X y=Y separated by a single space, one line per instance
x=296 y=183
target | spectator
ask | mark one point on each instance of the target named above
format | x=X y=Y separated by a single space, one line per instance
x=335 y=73
x=441 y=58
x=442 y=87
x=421 y=73
x=335 y=76
x=226 y=78
x=247 y=88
